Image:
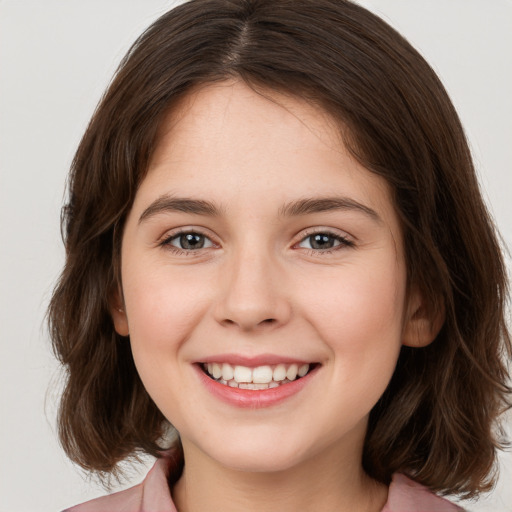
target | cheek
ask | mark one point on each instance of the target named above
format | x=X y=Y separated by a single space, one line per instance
x=375 y=292
x=162 y=309
x=359 y=314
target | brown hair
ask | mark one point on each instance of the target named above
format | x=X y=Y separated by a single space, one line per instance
x=437 y=420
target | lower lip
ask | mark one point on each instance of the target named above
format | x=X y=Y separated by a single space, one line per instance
x=254 y=398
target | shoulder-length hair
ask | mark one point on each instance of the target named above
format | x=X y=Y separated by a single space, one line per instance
x=437 y=419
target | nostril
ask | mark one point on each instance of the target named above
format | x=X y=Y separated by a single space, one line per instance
x=267 y=323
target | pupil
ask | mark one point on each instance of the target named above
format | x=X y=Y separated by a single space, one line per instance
x=192 y=241
x=321 y=241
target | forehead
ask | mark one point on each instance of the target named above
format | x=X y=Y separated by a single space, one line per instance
x=226 y=143
x=232 y=112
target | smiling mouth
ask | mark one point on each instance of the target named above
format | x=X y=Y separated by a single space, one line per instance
x=258 y=378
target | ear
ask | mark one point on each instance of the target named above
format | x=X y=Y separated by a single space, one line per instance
x=421 y=325
x=118 y=313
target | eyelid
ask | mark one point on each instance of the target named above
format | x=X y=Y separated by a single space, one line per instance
x=170 y=234
x=343 y=237
x=336 y=233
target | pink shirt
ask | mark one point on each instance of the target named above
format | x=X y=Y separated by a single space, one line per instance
x=153 y=495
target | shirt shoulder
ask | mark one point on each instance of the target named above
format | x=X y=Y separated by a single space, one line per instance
x=128 y=500
x=151 y=495
x=405 y=495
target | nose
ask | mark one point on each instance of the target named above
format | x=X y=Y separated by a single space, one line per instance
x=252 y=293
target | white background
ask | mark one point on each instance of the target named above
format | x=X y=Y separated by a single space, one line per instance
x=56 y=57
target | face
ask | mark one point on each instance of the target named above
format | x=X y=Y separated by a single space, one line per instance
x=263 y=281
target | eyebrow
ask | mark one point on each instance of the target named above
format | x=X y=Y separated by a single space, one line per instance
x=296 y=208
x=180 y=204
x=316 y=205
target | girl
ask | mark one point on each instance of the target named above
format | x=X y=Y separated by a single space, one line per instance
x=277 y=245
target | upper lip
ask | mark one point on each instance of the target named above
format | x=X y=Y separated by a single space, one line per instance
x=253 y=361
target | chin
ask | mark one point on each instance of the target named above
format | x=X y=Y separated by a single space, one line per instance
x=260 y=462
x=255 y=455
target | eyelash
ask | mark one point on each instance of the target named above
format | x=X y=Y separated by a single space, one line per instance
x=343 y=242
x=167 y=242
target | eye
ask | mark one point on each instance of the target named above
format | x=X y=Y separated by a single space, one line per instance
x=324 y=241
x=188 y=241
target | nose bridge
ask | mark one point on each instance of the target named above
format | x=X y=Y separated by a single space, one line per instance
x=253 y=294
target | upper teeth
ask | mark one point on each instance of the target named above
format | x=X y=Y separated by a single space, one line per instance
x=259 y=375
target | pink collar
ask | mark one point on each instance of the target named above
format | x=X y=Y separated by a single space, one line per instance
x=153 y=494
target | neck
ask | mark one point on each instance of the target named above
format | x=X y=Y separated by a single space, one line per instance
x=327 y=482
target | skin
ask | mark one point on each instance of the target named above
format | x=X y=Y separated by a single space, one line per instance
x=259 y=286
